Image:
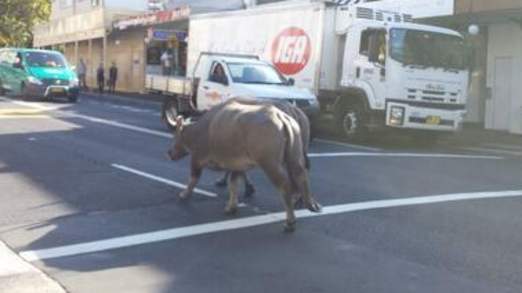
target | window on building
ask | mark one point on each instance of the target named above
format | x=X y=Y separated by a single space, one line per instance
x=95 y=3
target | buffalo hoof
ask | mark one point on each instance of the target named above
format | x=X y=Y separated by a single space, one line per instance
x=290 y=227
x=249 y=190
x=314 y=207
x=230 y=211
x=184 y=195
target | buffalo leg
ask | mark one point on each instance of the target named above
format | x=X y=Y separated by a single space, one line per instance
x=302 y=185
x=279 y=177
x=249 y=187
x=233 y=182
x=195 y=174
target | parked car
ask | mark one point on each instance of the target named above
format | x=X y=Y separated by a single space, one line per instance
x=38 y=74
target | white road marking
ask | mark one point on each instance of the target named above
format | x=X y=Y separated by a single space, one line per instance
x=319 y=155
x=355 y=146
x=93 y=119
x=183 y=232
x=162 y=180
x=123 y=125
x=402 y=155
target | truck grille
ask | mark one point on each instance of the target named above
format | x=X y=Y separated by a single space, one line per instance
x=431 y=96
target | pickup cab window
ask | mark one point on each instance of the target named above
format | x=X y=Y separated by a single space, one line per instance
x=218 y=74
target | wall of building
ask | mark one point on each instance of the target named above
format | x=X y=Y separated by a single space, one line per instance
x=505 y=43
x=127 y=50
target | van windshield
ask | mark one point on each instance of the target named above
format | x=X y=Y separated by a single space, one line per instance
x=254 y=74
x=41 y=59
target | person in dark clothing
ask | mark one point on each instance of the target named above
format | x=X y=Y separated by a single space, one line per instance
x=100 y=77
x=113 y=77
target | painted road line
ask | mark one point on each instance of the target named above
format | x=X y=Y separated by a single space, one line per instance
x=183 y=232
x=493 y=151
x=318 y=155
x=162 y=180
x=402 y=155
x=95 y=119
x=355 y=146
x=122 y=125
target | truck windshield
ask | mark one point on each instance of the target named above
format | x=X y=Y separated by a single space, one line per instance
x=42 y=59
x=428 y=49
x=254 y=74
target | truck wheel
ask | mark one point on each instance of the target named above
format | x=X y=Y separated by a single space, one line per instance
x=352 y=123
x=170 y=113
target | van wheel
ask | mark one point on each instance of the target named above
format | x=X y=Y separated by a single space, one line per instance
x=352 y=122
x=23 y=92
x=170 y=113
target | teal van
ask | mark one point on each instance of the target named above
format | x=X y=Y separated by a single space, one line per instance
x=39 y=74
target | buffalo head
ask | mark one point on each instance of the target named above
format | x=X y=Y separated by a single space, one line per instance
x=178 y=150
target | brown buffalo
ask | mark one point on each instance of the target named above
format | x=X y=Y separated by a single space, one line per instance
x=304 y=125
x=239 y=135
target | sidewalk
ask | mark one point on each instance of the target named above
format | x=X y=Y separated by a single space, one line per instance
x=473 y=138
x=18 y=276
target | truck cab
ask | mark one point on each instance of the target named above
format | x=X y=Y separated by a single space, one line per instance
x=401 y=75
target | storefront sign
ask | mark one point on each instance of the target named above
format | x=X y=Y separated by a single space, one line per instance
x=166 y=35
x=153 y=18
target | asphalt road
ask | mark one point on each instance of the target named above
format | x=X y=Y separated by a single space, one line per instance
x=89 y=197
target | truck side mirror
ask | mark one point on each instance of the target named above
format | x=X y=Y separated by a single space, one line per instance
x=290 y=81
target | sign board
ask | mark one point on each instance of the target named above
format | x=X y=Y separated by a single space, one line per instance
x=180 y=13
x=165 y=35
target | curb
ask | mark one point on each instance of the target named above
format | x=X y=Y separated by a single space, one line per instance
x=18 y=276
x=145 y=101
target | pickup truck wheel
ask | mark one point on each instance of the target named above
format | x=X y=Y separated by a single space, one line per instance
x=170 y=113
x=352 y=123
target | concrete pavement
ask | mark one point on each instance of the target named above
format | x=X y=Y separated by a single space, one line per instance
x=400 y=219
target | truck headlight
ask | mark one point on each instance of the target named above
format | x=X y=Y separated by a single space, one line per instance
x=396 y=115
x=34 y=80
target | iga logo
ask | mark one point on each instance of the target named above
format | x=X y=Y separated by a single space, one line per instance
x=291 y=51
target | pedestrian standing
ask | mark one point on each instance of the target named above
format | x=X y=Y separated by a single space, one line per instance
x=82 y=72
x=100 y=77
x=113 y=77
x=166 y=62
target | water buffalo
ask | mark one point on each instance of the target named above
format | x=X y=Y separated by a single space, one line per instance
x=304 y=125
x=239 y=135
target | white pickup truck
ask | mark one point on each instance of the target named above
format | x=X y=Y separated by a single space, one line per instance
x=219 y=77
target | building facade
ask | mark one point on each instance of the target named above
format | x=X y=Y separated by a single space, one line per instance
x=499 y=48
x=81 y=29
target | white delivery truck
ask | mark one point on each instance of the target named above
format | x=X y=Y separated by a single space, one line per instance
x=216 y=77
x=370 y=68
